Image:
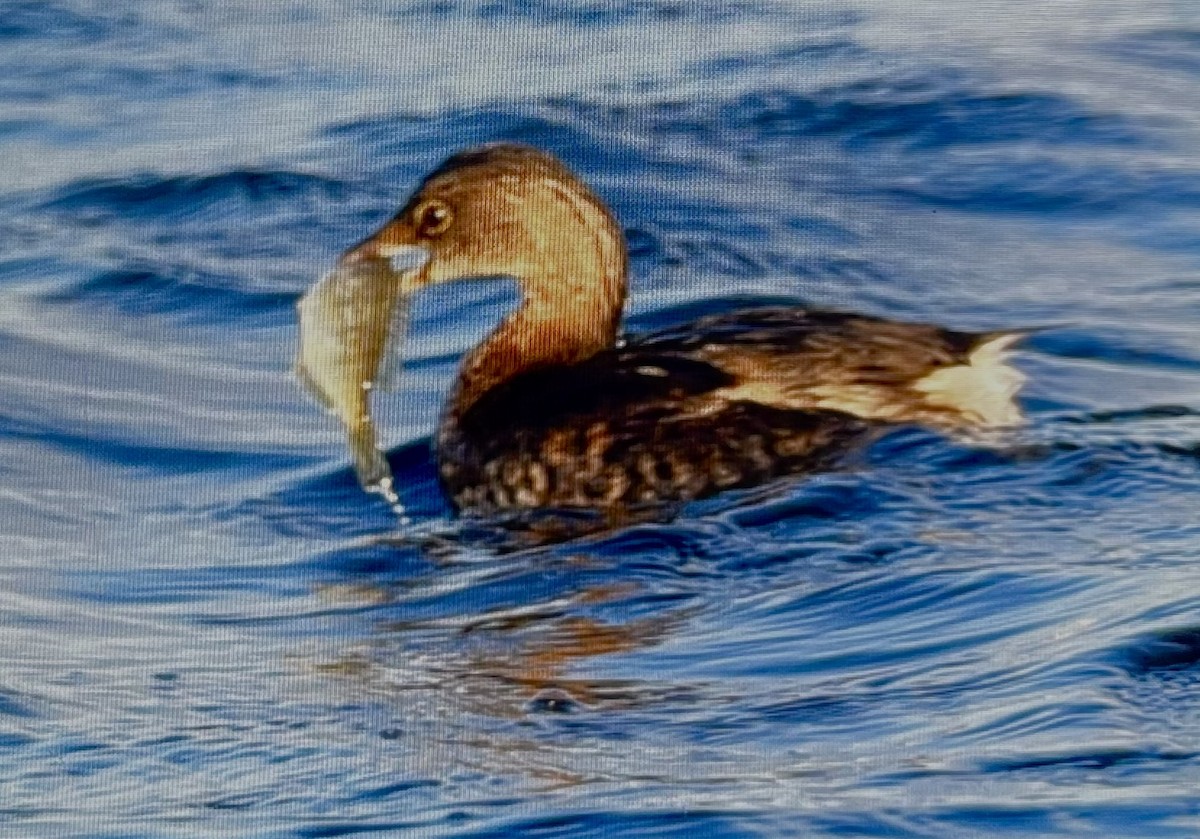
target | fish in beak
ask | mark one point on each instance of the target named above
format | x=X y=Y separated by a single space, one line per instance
x=348 y=321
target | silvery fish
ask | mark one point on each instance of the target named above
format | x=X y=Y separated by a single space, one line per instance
x=348 y=321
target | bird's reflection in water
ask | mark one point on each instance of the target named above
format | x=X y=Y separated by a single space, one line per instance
x=525 y=656
x=540 y=664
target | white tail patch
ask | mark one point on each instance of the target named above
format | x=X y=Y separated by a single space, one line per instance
x=983 y=390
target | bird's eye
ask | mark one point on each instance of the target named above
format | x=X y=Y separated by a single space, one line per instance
x=433 y=218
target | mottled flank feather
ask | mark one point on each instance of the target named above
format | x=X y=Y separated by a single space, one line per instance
x=616 y=432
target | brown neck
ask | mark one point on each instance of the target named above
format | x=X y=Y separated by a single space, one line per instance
x=570 y=262
x=565 y=327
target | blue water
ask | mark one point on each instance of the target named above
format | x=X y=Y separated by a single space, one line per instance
x=210 y=630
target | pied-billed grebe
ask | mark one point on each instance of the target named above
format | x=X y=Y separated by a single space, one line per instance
x=551 y=410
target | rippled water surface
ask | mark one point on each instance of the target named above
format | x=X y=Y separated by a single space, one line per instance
x=210 y=630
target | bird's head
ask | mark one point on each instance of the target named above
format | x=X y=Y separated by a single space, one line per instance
x=503 y=210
